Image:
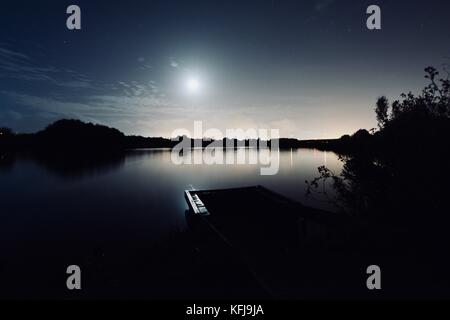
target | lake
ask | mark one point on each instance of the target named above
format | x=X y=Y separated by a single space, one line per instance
x=73 y=211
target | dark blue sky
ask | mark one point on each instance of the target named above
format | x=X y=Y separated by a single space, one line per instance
x=310 y=68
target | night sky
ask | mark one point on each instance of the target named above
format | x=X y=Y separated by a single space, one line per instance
x=310 y=68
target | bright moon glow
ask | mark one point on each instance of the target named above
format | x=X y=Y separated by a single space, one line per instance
x=193 y=85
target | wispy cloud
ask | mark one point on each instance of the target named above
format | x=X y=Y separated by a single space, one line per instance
x=137 y=89
x=144 y=115
x=101 y=106
x=4 y=52
x=132 y=105
x=173 y=63
x=20 y=66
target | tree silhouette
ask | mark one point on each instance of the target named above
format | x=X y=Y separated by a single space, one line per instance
x=433 y=101
x=382 y=108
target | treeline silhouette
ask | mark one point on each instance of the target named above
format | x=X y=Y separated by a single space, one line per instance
x=71 y=134
x=74 y=134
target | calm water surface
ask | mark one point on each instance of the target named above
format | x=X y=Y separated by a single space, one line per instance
x=71 y=211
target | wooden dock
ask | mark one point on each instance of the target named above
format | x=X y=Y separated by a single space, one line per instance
x=266 y=231
x=258 y=211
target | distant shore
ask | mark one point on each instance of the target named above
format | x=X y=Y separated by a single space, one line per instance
x=77 y=135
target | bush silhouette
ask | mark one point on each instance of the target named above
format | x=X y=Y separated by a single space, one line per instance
x=399 y=170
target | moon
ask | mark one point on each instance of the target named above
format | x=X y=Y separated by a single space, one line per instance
x=193 y=85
